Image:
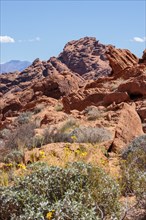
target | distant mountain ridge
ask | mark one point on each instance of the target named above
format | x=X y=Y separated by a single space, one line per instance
x=14 y=65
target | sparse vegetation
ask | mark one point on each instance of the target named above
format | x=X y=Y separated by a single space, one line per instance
x=24 y=118
x=4 y=133
x=90 y=134
x=81 y=135
x=79 y=191
x=23 y=136
x=133 y=170
x=58 y=107
x=14 y=156
x=69 y=124
x=92 y=113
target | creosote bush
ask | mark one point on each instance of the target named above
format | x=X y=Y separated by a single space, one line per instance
x=79 y=191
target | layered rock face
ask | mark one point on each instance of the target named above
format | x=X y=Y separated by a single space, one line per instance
x=120 y=59
x=86 y=57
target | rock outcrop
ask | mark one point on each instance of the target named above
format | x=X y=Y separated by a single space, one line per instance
x=86 y=73
x=86 y=57
x=120 y=59
x=128 y=127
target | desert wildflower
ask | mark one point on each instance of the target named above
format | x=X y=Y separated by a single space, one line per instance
x=22 y=166
x=84 y=154
x=74 y=138
x=77 y=151
x=50 y=215
x=9 y=165
x=42 y=154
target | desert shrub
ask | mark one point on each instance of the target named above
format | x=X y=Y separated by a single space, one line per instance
x=37 y=166
x=79 y=191
x=49 y=135
x=133 y=169
x=137 y=143
x=38 y=141
x=4 y=133
x=24 y=117
x=69 y=124
x=58 y=107
x=15 y=156
x=22 y=136
x=92 y=113
x=90 y=134
x=78 y=135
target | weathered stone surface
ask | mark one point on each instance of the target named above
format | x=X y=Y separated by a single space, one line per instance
x=134 y=87
x=86 y=57
x=116 y=97
x=128 y=127
x=120 y=59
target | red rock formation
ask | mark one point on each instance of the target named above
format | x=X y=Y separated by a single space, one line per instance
x=86 y=57
x=120 y=59
x=128 y=127
x=68 y=78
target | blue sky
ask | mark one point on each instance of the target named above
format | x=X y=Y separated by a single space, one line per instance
x=31 y=29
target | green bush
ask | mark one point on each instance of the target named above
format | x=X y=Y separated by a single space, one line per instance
x=14 y=156
x=133 y=170
x=79 y=191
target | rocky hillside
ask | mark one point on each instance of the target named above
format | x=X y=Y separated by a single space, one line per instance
x=89 y=104
x=86 y=73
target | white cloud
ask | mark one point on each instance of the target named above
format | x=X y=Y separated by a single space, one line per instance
x=34 y=39
x=139 y=39
x=30 y=40
x=6 y=39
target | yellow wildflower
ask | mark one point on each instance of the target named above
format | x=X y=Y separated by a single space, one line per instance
x=42 y=154
x=84 y=154
x=9 y=164
x=50 y=215
x=73 y=137
x=22 y=166
x=77 y=151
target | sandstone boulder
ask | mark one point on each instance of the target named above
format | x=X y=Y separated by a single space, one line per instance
x=128 y=127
